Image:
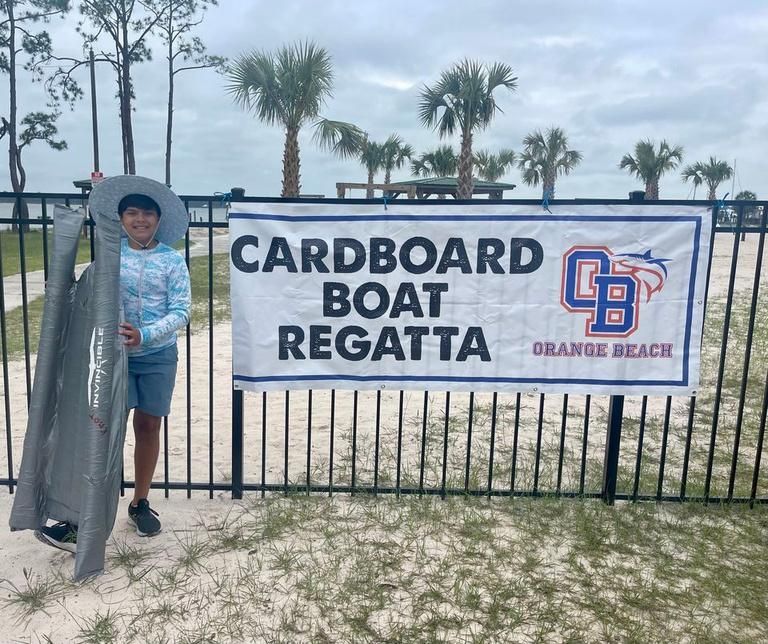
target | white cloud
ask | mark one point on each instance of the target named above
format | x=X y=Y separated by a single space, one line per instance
x=387 y=80
x=559 y=41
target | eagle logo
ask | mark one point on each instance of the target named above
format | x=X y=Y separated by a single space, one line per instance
x=648 y=271
x=610 y=287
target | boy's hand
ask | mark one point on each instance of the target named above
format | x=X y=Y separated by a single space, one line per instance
x=132 y=335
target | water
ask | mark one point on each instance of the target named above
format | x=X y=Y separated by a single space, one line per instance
x=198 y=210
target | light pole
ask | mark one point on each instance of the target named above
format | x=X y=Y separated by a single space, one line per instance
x=94 y=116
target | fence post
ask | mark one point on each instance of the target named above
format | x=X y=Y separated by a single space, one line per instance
x=237 y=413
x=237 y=443
x=615 y=417
x=612 y=443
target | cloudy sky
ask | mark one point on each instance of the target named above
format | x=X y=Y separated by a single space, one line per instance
x=609 y=72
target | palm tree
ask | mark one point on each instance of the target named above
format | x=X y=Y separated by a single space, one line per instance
x=649 y=164
x=462 y=100
x=394 y=154
x=545 y=157
x=492 y=167
x=288 y=88
x=440 y=162
x=713 y=173
x=372 y=158
x=751 y=213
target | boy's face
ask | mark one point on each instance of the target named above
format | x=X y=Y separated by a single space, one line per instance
x=140 y=224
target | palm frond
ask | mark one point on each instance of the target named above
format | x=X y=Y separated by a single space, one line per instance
x=371 y=155
x=569 y=160
x=531 y=168
x=546 y=156
x=492 y=167
x=501 y=75
x=431 y=101
x=441 y=162
x=712 y=172
x=395 y=152
x=649 y=163
x=507 y=156
x=288 y=87
x=419 y=168
x=343 y=139
x=254 y=85
x=694 y=173
x=463 y=97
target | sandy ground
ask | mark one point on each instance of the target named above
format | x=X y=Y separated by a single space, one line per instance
x=199 y=433
x=21 y=552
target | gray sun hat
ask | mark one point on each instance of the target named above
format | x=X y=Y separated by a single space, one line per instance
x=174 y=218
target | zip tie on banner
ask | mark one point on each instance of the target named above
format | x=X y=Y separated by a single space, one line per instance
x=224 y=197
x=385 y=201
x=548 y=194
x=720 y=205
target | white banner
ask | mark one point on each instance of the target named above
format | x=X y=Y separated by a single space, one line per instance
x=590 y=299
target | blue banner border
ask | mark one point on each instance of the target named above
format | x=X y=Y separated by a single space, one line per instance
x=683 y=382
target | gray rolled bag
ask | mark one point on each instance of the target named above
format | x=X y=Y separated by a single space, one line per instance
x=71 y=465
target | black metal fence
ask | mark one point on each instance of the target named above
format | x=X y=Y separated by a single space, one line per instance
x=704 y=447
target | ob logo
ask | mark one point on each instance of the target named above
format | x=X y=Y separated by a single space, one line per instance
x=607 y=287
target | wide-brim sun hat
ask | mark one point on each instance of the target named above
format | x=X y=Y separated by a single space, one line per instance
x=174 y=218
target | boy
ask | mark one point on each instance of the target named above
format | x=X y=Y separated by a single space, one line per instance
x=155 y=292
x=155 y=297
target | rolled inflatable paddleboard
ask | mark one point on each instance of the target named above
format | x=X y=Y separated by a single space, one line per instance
x=72 y=460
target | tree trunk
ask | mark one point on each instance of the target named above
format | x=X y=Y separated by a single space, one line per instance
x=369 y=191
x=464 y=183
x=291 y=163
x=387 y=176
x=169 y=123
x=130 y=153
x=121 y=104
x=652 y=189
x=13 y=149
x=548 y=185
x=712 y=196
x=20 y=206
x=125 y=112
x=17 y=176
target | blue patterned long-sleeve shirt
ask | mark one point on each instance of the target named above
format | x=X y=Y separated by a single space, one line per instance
x=155 y=293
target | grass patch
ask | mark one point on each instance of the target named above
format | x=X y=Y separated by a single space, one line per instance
x=14 y=325
x=461 y=570
x=131 y=559
x=99 y=629
x=198 y=272
x=34 y=258
x=37 y=594
x=203 y=289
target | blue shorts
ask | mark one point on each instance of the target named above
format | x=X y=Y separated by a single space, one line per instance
x=151 y=379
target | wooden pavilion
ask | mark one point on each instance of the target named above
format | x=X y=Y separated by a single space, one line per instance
x=425 y=188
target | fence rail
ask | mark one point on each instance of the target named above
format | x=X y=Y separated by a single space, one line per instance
x=706 y=447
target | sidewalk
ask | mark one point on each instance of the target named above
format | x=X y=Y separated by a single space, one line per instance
x=36 y=283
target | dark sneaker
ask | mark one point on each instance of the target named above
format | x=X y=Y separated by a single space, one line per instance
x=144 y=518
x=60 y=535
